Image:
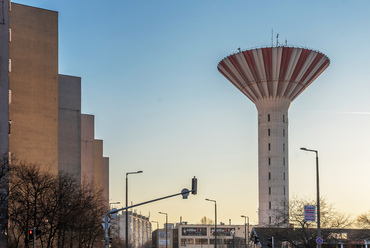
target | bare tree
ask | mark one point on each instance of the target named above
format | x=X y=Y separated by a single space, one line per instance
x=304 y=233
x=66 y=212
x=206 y=221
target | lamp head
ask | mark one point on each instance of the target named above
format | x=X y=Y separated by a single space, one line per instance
x=303 y=148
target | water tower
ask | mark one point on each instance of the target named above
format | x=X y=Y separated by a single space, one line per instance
x=272 y=77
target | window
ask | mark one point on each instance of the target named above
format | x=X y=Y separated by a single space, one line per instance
x=201 y=241
x=269 y=146
x=269 y=190
x=283 y=161
x=184 y=242
x=269 y=161
x=10 y=126
x=269 y=132
x=283 y=118
x=212 y=241
x=284 y=193
x=283 y=132
x=268 y=117
x=284 y=147
x=269 y=219
x=269 y=175
x=269 y=205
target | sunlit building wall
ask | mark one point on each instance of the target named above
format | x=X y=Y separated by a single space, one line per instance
x=34 y=86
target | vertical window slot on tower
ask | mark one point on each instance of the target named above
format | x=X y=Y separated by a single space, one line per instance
x=269 y=132
x=269 y=146
x=269 y=161
x=269 y=190
x=268 y=117
x=269 y=205
x=269 y=175
x=283 y=161
x=284 y=147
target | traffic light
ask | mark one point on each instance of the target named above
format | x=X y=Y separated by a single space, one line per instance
x=270 y=242
x=256 y=240
x=194 y=186
x=30 y=234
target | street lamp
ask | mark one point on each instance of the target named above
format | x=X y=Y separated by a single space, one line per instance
x=166 y=224
x=245 y=230
x=215 y=221
x=126 y=231
x=317 y=190
x=156 y=222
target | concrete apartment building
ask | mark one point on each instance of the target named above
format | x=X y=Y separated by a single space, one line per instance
x=199 y=236
x=139 y=228
x=40 y=110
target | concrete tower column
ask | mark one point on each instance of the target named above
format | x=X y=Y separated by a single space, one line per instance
x=273 y=160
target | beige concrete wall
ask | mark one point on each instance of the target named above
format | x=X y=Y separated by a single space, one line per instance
x=106 y=181
x=98 y=165
x=87 y=148
x=69 y=126
x=34 y=85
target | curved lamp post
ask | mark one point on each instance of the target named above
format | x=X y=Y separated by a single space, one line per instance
x=245 y=230
x=317 y=190
x=126 y=231
x=166 y=225
x=215 y=220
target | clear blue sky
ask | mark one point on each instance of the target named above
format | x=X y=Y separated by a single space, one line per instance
x=149 y=75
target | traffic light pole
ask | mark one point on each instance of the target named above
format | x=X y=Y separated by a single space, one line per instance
x=184 y=193
x=34 y=236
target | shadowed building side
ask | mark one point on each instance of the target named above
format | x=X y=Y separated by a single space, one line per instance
x=69 y=126
x=87 y=148
x=4 y=108
x=272 y=78
x=106 y=181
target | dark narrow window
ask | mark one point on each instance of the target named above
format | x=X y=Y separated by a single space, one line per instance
x=283 y=161
x=284 y=194
x=269 y=146
x=269 y=161
x=283 y=118
x=268 y=117
x=284 y=147
x=10 y=127
x=284 y=176
x=269 y=219
x=283 y=132
x=269 y=190
x=269 y=205
x=269 y=175
x=269 y=131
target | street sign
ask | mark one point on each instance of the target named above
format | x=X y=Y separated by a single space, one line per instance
x=319 y=241
x=103 y=224
x=309 y=213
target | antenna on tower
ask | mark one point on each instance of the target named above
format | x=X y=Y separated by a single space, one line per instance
x=277 y=40
x=239 y=49
x=286 y=42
